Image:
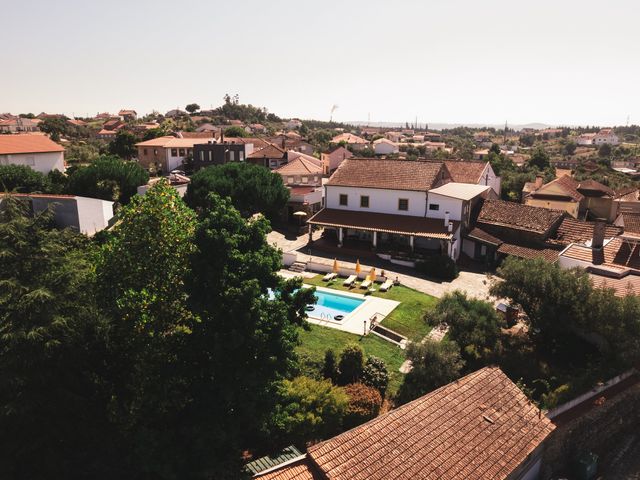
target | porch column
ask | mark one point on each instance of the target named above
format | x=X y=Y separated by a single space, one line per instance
x=310 y=233
x=411 y=242
x=340 y=235
x=375 y=239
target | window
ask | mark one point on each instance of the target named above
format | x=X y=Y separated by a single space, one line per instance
x=201 y=156
x=232 y=156
x=174 y=152
x=364 y=201
x=434 y=206
x=305 y=179
x=290 y=180
x=344 y=199
x=241 y=157
x=403 y=204
x=182 y=153
x=144 y=151
x=155 y=151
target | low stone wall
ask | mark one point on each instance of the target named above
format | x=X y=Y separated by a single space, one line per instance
x=595 y=431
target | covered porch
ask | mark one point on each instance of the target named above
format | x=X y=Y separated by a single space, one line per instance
x=398 y=235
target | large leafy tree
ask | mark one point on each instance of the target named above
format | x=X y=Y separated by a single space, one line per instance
x=22 y=179
x=434 y=364
x=108 y=178
x=53 y=397
x=123 y=145
x=251 y=188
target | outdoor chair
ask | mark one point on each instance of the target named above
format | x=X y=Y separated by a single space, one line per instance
x=349 y=281
x=386 y=286
x=365 y=284
x=329 y=276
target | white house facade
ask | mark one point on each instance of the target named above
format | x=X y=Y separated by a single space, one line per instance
x=35 y=151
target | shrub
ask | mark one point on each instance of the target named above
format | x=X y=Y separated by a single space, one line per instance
x=330 y=367
x=351 y=364
x=22 y=179
x=438 y=266
x=375 y=374
x=364 y=404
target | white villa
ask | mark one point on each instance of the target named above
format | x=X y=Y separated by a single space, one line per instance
x=36 y=151
x=398 y=205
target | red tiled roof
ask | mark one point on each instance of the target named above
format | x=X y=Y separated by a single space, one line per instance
x=479 y=234
x=627 y=285
x=592 y=187
x=518 y=216
x=616 y=254
x=478 y=427
x=389 y=174
x=348 y=138
x=631 y=222
x=572 y=230
x=567 y=184
x=299 y=470
x=270 y=151
x=384 y=222
x=521 y=251
x=12 y=144
x=465 y=172
x=301 y=165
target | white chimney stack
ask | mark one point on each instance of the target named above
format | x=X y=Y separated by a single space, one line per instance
x=446 y=219
x=450 y=227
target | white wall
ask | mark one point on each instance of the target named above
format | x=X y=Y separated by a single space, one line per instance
x=447 y=204
x=93 y=214
x=380 y=200
x=490 y=179
x=40 y=162
x=383 y=148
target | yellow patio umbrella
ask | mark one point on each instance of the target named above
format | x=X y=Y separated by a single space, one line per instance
x=335 y=265
x=372 y=274
x=358 y=267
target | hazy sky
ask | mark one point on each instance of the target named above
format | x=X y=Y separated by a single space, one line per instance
x=558 y=62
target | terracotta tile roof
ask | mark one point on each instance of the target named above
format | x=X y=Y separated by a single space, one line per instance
x=591 y=188
x=257 y=143
x=572 y=230
x=616 y=254
x=479 y=427
x=631 y=222
x=348 y=138
x=567 y=185
x=518 y=216
x=629 y=193
x=299 y=470
x=270 y=151
x=12 y=144
x=172 y=142
x=384 y=222
x=301 y=166
x=520 y=251
x=204 y=134
x=389 y=174
x=481 y=235
x=465 y=172
x=627 y=285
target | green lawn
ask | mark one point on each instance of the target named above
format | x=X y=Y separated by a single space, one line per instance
x=315 y=342
x=407 y=318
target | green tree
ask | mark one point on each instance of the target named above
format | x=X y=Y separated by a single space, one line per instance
x=434 y=364
x=473 y=324
x=108 y=178
x=235 y=131
x=364 y=404
x=251 y=188
x=53 y=396
x=604 y=150
x=527 y=140
x=308 y=410
x=22 y=179
x=539 y=159
x=351 y=364
x=570 y=148
x=375 y=374
x=56 y=127
x=330 y=367
x=192 y=108
x=123 y=145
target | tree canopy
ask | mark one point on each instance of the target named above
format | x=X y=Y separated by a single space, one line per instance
x=251 y=188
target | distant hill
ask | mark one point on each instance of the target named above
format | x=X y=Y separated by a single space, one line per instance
x=442 y=126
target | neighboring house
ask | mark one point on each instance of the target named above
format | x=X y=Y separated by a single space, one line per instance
x=482 y=426
x=209 y=127
x=350 y=140
x=382 y=146
x=270 y=156
x=478 y=173
x=258 y=128
x=433 y=137
x=218 y=153
x=480 y=154
x=105 y=134
x=303 y=176
x=560 y=194
x=334 y=157
x=103 y=116
x=434 y=146
x=164 y=154
x=18 y=125
x=586 y=139
x=113 y=124
x=607 y=136
x=36 y=151
x=395 y=137
x=128 y=115
x=76 y=123
x=382 y=204
x=293 y=124
x=599 y=201
x=506 y=228
x=176 y=112
x=86 y=215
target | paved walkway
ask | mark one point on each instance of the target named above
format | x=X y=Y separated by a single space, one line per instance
x=475 y=285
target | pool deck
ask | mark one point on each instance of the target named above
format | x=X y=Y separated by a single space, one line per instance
x=354 y=322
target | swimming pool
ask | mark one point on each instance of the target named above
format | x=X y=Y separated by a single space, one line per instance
x=331 y=306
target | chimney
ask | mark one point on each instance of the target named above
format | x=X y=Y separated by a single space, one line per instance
x=446 y=219
x=450 y=227
x=539 y=180
x=284 y=142
x=598 y=233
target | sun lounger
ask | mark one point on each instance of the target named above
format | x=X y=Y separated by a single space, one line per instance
x=349 y=281
x=365 y=284
x=386 y=285
x=329 y=276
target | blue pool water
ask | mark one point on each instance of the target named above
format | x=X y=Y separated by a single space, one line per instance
x=329 y=305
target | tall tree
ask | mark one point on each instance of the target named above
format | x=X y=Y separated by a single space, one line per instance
x=123 y=145
x=539 y=159
x=251 y=188
x=22 y=179
x=192 y=108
